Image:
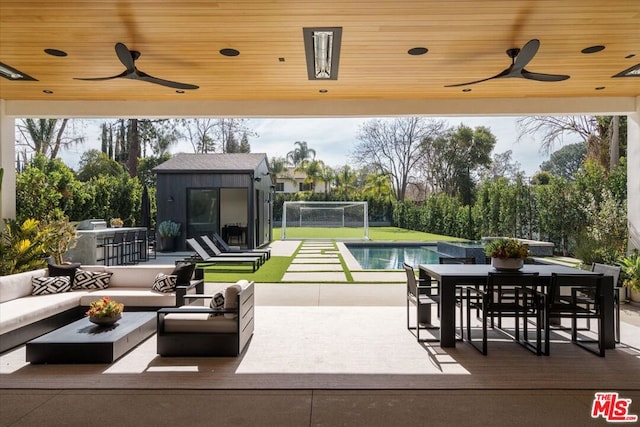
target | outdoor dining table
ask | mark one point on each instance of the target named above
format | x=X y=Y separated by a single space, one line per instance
x=450 y=276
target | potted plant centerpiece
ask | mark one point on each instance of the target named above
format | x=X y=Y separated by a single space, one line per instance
x=630 y=266
x=168 y=231
x=105 y=311
x=507 y=254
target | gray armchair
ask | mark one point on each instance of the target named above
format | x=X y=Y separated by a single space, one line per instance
x=196 y=330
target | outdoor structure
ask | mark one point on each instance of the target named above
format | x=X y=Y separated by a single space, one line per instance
x=228 y=194
x=431 y=59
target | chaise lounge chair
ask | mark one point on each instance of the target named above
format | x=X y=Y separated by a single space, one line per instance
x=217 y=246
x=223 y=259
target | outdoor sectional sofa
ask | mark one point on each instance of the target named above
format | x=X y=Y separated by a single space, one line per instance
x=24 y=316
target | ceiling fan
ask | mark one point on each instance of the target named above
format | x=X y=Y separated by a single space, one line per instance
x=519 y=59
x=128 y=59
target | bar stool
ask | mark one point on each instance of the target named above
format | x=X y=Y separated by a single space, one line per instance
x=113 y=248
x=142 y=245
x=130 y=254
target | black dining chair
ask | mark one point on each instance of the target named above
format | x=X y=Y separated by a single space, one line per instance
x=575 y=296
x=614 y=272
x=420 y=296
x=525 y=305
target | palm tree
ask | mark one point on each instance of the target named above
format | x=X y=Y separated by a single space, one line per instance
x=328 y=175
x=300 y=153
x=313 y=171
x=345 y=181
x=378 y=186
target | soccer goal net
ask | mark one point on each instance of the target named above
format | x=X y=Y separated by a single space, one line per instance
x=325 y=220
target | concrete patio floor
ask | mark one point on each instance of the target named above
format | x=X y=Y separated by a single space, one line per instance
x=382 y=405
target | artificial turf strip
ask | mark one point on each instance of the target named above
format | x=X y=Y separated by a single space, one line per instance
x=270 y=272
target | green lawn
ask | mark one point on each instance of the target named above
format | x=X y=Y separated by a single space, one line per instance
x=273 y=270
x=384 y=234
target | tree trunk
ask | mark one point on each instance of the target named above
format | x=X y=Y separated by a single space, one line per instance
x=134 y=148
x=614 y=143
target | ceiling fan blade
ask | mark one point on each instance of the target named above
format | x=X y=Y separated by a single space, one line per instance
x=525 y=55
x=123 y=74
x=124 y=55
x=176 y=85
x=497 y=76
x=544 y=77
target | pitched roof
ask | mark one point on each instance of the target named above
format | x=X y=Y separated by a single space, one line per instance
x=231 y=162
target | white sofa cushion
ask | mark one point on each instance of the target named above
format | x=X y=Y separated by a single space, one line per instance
x=132 y=297
x=139 y=276
x=18 y=285
x=29 y=309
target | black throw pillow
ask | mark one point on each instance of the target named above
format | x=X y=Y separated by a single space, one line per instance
x=183 y=273
x=56 y=270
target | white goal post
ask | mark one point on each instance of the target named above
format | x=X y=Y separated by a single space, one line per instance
x=338 y=220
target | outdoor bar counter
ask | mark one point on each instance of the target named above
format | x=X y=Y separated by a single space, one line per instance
x=89 y=249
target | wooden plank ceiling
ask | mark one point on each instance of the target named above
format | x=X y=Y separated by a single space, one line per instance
x=181 y=40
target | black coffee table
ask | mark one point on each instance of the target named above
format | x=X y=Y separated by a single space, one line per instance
x=84 y=342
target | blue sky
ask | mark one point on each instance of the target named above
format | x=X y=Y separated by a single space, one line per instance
x=334 y=138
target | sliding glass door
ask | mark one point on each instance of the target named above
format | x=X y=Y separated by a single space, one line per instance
x=203 y=211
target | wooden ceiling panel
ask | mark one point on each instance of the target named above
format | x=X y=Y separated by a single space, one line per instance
x=180 y=41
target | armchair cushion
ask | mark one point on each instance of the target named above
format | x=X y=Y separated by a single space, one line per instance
x=231 y=298
x=50 y=285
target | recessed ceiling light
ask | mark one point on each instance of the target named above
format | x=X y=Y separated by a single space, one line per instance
x=48 y=92
x=629 y=72
x=55 y=52
x=592 y=49
x=417 y=51
x=466 y=90
x=630 y=56
x=229 y=52
x=323 y=91
x=600 y=87
x=281 y=59
x=179 y=91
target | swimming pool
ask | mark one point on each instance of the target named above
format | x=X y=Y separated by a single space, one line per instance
x=391 y=257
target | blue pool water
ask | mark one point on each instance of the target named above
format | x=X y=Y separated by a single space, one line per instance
x=391 y=257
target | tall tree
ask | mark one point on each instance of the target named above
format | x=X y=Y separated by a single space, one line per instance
x=395 y=146
x=596 y=132
x=566 y=161
x=452 y=158
x=47 y=136
x=208 y=135
x=301 y=153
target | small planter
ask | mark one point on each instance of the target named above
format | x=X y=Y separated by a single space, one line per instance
x=507 y=264
x=104 y=320
x=167 y=244
x=635 y=296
